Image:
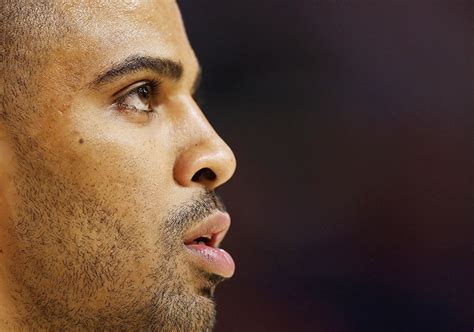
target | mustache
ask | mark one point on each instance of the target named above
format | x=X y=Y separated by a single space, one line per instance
x=187 y=215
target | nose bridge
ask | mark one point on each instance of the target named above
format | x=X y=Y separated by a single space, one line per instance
x=203 y=130
x=194 y=130
x=203 y=158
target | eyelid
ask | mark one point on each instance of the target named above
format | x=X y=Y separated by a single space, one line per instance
x=125 y=91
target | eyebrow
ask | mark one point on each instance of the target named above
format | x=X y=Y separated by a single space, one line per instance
x=136 y=63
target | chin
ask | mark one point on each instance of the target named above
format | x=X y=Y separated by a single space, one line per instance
x=185 y=313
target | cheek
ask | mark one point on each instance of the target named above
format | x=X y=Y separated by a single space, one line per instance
x=97 y=223
x=105 y=186
x=99 y=166
x=113 y=159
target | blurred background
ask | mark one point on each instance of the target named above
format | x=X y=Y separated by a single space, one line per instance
x=353 y=126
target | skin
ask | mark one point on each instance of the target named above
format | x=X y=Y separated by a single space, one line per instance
x=95 y=200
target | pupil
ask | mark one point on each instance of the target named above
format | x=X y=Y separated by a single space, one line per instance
x=143 y=91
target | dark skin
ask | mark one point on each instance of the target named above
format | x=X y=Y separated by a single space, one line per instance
x=94 y=175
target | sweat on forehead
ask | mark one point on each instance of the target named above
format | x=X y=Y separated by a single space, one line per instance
x=41 y=36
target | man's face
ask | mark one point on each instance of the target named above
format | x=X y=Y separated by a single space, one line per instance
x=112 y=174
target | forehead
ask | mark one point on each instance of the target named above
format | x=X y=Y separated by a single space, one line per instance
x=103 y=32
x=122 y=19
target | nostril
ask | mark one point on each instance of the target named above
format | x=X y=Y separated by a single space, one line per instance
x=204 y=174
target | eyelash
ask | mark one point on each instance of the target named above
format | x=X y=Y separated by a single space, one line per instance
x=154 y=89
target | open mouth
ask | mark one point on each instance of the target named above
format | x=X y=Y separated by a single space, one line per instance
x=203 y=240
x=202 y=243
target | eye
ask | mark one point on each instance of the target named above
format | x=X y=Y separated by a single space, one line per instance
x=138 y=98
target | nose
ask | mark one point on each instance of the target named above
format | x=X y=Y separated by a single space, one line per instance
x=204 y=160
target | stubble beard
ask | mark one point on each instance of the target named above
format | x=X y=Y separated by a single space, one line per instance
x=53 y=281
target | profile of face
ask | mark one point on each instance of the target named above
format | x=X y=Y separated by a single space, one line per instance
x=108 y=215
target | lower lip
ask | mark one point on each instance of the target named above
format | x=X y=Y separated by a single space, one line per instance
x=212 y=260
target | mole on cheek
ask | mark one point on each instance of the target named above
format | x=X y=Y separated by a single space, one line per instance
x=81 y=141
x=1 y=251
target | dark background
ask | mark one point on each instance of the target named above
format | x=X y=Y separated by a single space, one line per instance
x=353 y=126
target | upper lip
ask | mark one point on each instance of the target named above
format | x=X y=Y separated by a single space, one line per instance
x=213 y=227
